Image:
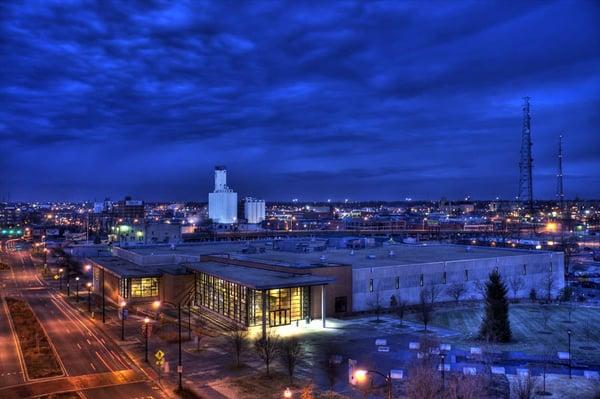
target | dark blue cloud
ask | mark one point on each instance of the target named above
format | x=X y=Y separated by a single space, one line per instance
x=310 y=100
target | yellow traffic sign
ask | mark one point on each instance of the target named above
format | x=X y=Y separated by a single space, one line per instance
x=160 y=362
x=159 y=355
x=56 y=276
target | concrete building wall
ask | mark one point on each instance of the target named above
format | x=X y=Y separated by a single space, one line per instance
x=175 y=288
x=533 y=269
x=338 y=289
x=222 y=207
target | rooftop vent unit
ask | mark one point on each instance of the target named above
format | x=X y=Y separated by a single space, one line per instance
x=371 y=256
x=322 y=258
x=352 y=252
x=391 y=253
x=468 y=249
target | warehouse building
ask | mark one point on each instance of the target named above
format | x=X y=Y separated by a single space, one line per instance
x=274 y=283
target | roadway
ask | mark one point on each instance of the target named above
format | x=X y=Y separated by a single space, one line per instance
x=84 y=350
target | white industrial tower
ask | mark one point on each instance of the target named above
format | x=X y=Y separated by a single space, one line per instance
x=222 y=203
x=254 y=210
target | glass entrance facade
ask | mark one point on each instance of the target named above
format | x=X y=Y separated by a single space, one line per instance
x=245 y=305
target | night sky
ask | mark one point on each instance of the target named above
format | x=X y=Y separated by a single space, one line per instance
x=321 y=100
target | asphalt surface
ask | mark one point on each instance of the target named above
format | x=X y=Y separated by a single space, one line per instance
x=82 y=348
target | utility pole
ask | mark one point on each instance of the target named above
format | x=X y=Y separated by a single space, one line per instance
x=526 y=161
x=560 y=195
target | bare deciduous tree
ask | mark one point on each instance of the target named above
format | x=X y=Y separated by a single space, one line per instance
x=267 y=348
x=291 y=352
x=464 y=387
x=516 y=284
x=425 y=309
x=424 y=380
x=546 y=315
x=433 y=292
x=456 y=290
x=237 y=340
x=547 y=358
x=524 y=386
x=375 y=304
x=331 y=363
x=480 y=287
x=549 y=284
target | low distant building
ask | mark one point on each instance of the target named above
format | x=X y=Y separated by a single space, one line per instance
x=146 y=233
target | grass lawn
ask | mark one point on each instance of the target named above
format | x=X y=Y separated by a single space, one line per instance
x=37 y=353
x=529 y=333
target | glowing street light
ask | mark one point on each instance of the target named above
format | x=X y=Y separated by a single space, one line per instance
x=287 y=393
x=156 y=306
x=89 y=288
x=88 y=268
x=361 y=376
x=146 y=323
x=60 y=273
x=77 y=289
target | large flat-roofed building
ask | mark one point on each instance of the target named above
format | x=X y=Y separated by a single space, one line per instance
x=404 y=270
x=271 y=283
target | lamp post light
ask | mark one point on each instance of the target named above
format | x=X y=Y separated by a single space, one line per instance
x=89 y=288
x=569 y=333
x=189 y=306
x=146 y=322
x=77 y=289
x=122 y=305
x=443 y=357
x=60 y=274
x=179 y=366
x=156 y=307
x=361 y=376
x=287 y=393
x=103 y=298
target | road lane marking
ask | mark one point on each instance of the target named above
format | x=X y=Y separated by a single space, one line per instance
x=103 y=361
x=92 y=364
x=88 y=341
x=79 y=346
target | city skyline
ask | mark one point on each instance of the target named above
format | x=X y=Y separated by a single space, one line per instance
x=366 y=102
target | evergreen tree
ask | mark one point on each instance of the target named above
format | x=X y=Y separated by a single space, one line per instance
x=495 y=325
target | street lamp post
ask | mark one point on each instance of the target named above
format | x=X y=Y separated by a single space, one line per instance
x=89 y=288
x=103 y=299
x=60 y=275
x=77 y=289
x=443 y=357
x=569 y=333
x=179 y=366
x=361 y=375
x=189 y=320
x=68 y=282
x=146 y=322
x=123 y=304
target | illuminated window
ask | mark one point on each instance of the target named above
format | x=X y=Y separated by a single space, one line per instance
x=524 y=269
x=444 y=278
x=421 y=282
x=144 y=287
x=370 y=285
x=466 y=275
x=397 y=282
